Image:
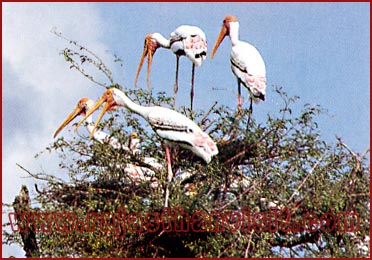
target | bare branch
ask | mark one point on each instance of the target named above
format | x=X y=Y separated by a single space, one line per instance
x=97 y=62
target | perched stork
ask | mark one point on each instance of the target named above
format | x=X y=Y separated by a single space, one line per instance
x=171 y=126
x=185 y=40
x=246 y=62
x=136 y=173
x=82 y=108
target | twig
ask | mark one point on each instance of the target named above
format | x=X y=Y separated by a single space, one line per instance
x=346 y=146
x=249 y=243
x=305 y=179
x=38 y=177
x=100 y=64
x=209 y=125
x=208 y=113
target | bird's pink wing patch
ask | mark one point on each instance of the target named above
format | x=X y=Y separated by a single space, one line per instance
x=257 y=82
x=195 y=48
x=202 y=140
x=195 y=43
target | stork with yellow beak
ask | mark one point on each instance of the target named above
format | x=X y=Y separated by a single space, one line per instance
x=81 y=109
x=171 y=126
x=246 y=62
x=136 y=173
x=186 y=40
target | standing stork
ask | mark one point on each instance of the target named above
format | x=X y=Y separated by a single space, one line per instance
x=246 y=62
x=186 y=40
x=171 y=126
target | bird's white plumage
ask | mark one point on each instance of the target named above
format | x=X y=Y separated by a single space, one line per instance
x=249 y=67
x=172 y=127
x=246 y=61
x=190 y=41
x=137 y=174
x=248 y=57
x=186 y=40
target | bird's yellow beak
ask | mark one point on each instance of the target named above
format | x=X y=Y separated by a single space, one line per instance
x=221 y=36
x=70 y=117
x=148 y=50
x=104 y=98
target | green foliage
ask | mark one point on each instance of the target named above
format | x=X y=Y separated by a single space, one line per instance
x=277 y=173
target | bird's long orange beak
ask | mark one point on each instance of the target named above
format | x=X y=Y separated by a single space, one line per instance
x=148 y=50
x=103 y=99
x=221 y=36
x=70 y=117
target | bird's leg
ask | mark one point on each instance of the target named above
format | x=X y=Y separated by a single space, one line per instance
x=239 y=97
x=250 y=111
x=176 y=82
x=170 y=175
x=251 y=106
x=192 y=85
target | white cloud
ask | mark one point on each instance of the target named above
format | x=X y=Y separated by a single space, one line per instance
x=43 y=81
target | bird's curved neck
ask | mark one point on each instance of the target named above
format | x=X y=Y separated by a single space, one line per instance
x=125 y=101
x=161 y=40
x=234 y=32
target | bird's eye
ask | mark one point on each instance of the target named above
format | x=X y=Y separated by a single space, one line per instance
x=190 y=130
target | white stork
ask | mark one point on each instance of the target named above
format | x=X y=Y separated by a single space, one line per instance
x=185 y=40
x=246 y=62
x=136 y=173
x=171 y=126
x=82 y=108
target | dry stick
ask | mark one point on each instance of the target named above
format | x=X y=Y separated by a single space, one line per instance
x=357 y=166
x=208 y=113
x=209 y=125
x=249 y=243
x=38 y=177
x=347 y=147
x=356 y=156
x=305 y=179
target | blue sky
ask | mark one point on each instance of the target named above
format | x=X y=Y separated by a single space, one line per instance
x=318 y=51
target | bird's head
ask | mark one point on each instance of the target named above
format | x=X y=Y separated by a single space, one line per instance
x=149 y=49
x=111 y=103
x=225 y=30
x=81 y=108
